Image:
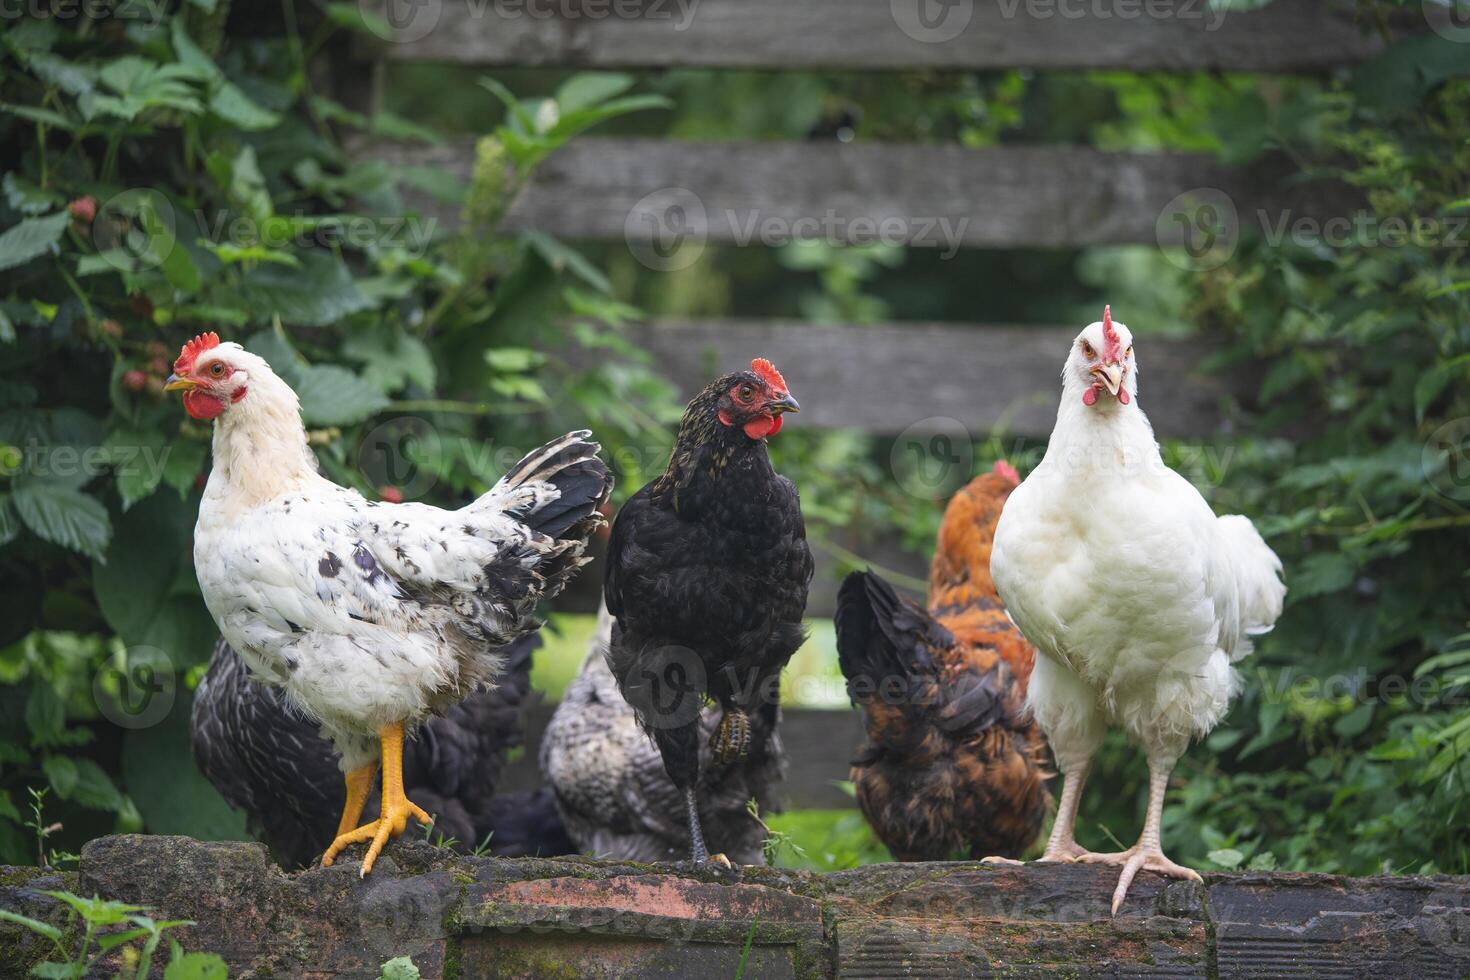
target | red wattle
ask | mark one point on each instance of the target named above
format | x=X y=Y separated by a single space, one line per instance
x=762 y=426
x=1089 y=397
x=1123 y=395
x=202 y=406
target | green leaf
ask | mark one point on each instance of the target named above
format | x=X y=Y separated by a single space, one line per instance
x=513 y=359
x=147 y=550
x=138 y=458
x=391 y=358
x=1227 y=857
x=589 y=88
x=399 y=968
x=9 y=524
x=94 y=788
x=71 y=77
x=318 y=293
x=1355 y=722
x=27 y=198
x=38 y=115
x=333 y=395
x=35 y=925
x=186 y=458
x=61 y=773
x=196 y=966
x=170 y=791
x=63 y=516
x=30 y=238
x=239 y=110
x=45 y=714
x=563 y=258
x=1321 y=574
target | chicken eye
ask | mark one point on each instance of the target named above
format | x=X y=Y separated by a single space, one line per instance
x=746 y=391
x=1087 y=351
x=217 y=370
x=1129 y=352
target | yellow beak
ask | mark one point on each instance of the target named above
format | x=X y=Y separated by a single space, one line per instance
x=1110 y=375
x=176 y=383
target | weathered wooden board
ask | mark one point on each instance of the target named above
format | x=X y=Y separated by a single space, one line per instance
x=919 y=379
x=667 y=198
x=1137 y=35
x=820 y=746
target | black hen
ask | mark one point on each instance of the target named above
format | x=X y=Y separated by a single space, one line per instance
x=707 y=577
x=266 y=759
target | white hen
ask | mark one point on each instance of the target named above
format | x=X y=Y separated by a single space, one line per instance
x=1137 y=596
x=371 y=616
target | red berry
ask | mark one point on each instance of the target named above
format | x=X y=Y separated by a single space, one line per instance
x=135 y=380
x=110 y=327
x=390 y=494
x=84 y=208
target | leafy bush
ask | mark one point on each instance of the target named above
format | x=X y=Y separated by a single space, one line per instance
x=164 y=186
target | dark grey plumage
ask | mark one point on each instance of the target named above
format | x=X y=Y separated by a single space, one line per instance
x=266 y=759
x=615 y=797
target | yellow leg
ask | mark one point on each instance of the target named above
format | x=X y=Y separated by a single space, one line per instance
x=359 y=786
x=396 y=807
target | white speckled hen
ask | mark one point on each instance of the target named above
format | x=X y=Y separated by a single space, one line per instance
x=1137 y=597
x=371 y=616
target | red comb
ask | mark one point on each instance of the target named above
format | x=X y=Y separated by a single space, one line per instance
x=1112 y=351
x=769 y=374
x=192 y=350
x=1006 y=472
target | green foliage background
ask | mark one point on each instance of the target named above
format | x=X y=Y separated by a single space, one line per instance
x=1363 y=349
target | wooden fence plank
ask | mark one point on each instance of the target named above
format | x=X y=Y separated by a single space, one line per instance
x=923 y=377
x=1137 y=35
x=820 y=746
x=663 y=196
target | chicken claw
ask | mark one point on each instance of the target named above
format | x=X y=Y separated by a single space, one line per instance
x=395 y=810
x=1133 y=860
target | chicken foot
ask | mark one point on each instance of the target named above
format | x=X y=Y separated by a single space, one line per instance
x=396 y=808
x=1148 y=853
x=1060 y=846
x=699 y=852
x=359 y=787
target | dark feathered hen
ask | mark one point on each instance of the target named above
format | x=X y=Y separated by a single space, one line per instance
x=267 y=760
x=613 y=793
x=707 y=577
x=952 y=765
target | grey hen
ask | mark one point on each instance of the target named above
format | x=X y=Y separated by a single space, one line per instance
x=615 y=798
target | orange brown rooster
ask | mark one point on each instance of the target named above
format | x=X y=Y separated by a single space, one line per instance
x=952 y=765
